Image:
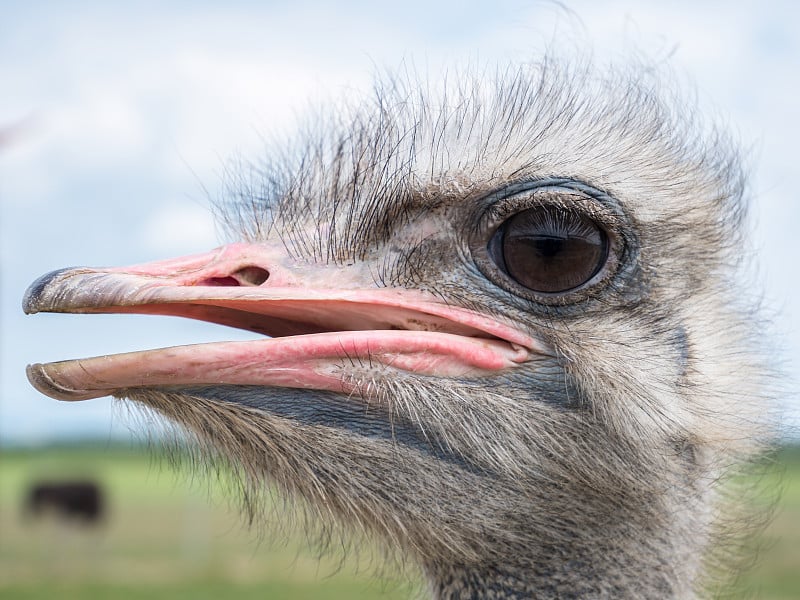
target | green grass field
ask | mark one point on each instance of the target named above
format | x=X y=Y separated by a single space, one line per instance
x=168 y=537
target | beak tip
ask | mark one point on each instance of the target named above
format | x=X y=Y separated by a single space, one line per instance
x=40 y=379
x=36 y=297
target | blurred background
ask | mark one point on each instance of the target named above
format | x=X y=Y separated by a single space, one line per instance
x=116 y=127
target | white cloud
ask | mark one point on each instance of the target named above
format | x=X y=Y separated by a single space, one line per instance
x=176 y=228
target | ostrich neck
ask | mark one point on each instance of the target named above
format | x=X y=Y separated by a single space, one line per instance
x=607 y=577
x=472 y=583
x=648 y=542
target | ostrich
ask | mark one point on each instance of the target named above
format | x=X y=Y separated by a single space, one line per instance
x=503 y=333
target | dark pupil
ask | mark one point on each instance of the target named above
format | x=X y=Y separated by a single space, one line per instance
x=551 y=250
x=545 y=246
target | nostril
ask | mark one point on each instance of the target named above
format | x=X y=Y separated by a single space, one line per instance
x=246 y=276
x=219 y=282
x=251 y=276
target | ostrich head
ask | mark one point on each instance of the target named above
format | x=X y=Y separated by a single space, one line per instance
x=504 y=334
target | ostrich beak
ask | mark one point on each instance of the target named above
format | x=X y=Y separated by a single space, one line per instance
x=319 y=319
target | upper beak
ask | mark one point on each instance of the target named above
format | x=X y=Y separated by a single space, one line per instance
x=339 y=321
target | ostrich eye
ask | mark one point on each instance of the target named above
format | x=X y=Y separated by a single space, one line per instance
x=549 y=250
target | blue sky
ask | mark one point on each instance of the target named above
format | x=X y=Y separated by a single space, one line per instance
x=123 y=122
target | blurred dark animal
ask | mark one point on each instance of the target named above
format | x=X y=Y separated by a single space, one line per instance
x=80 y=501
x=504 y=333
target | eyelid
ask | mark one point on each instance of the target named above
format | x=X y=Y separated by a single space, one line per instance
x=566 y=200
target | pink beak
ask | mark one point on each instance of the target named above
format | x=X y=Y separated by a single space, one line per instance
x=319 y=333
